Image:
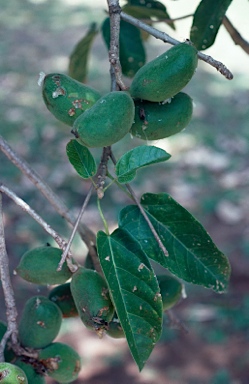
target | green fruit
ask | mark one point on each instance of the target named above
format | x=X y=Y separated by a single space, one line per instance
x=166 y=75
x=61 y=362
x=154 y=121
x=29 y=370
x=67 y=98
x=114 y=328
x=89 y=262
x=170 y=289
x=92 y=299
x=62 y=296
x=40 y=265
x=40 y=322
x=107 y=122
x=11 y=374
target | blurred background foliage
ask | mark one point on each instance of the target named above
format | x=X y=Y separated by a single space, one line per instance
x=208 y=174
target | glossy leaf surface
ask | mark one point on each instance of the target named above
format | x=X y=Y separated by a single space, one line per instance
x=79 y=57
x=136 y=158
x=134 y=290
x=207 y=21
x=192 y=254
x=81 y=159
x=132 y=53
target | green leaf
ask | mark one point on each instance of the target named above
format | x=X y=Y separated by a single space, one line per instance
x=207 y=21
x=79 y=56
x=147 y=9
x=137 y=158
x=81 y=159
x=134 y=290
x=192 y=254
x=132 y=53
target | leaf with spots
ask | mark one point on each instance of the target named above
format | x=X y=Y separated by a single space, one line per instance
x=148 y=9
x=134 y=291
x=131 y=50
x=207 y=21
x=136 y=158
x=81 y=159
x=192 y=254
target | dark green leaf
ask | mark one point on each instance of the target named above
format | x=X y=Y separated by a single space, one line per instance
x=137 y=158
x=81 y=159
x=134 y=290
x=192 y=254
x=207 y=21
x=131 y=49
x=79 y=56
x=148 y=9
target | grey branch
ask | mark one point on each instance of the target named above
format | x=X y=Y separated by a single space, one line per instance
x=66 y=251
x=168 y=39
x=26 y=208
x=86 y=234
x=235 y=35
x=8 y=292
x=115 y=70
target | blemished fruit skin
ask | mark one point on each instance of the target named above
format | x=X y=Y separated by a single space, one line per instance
x=170 y=289
x=11 y=374
x=62 y=297
x=107 y=122
x=39 y=266
x=114 y=328
x=61 y=362
x=67 y=98
x=92 y=299
x=154 y=121
x=40 y=322
x=32 y=376
x=166 y=75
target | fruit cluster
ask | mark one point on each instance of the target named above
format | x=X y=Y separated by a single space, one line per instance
x=86 y=296
x=154 y=107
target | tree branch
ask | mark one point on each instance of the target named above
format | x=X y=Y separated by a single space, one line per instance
x=86 y=234
x=115 y=70
x=168 y=39
x=11 y=312
x=26 y=208
x=235 y=35
x=67 y=248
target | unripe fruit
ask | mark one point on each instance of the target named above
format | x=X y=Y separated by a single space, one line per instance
x=107 y=122
x=62 y=297
x=29 y=370
x=170 y=289
x=11 y=374
x=89 y=262
x=114 y=328
x=166 y=75
x=61 y=362
x=40 y=265
x=92 y=299
x=40 y=322
x=67 y=98
x=154 y=121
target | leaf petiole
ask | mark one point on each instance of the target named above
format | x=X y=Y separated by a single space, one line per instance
x=102 y=217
